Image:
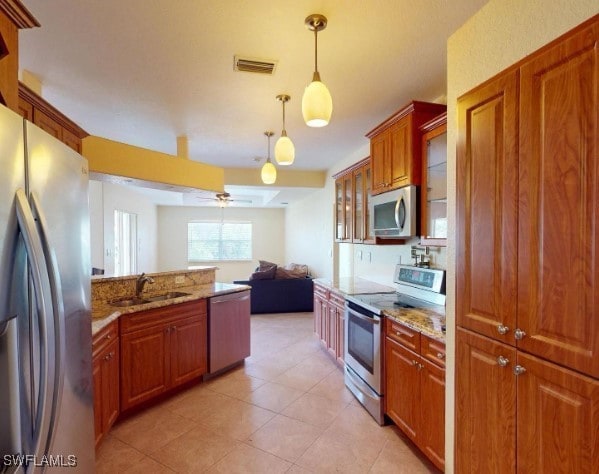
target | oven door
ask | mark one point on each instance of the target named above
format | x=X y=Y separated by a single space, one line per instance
x=363 y=345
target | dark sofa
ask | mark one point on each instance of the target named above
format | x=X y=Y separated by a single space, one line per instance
x=285 y=295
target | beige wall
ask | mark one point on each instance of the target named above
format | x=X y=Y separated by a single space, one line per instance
x=104 y=199
x=268 y=237
x=500 y=34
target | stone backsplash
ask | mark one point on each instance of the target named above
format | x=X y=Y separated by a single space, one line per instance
x=111 y=288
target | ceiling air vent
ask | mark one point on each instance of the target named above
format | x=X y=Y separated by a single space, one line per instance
x=258 y=66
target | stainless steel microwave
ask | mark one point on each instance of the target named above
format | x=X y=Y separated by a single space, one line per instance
x=393 y=214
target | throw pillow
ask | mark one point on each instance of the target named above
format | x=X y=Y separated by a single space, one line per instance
x=283 y=273
x=300 y=270
x=264 y=265
x=267 y=274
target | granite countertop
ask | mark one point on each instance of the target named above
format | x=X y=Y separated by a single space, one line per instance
x=355 y=286
x=103 y=313
x=427 y=321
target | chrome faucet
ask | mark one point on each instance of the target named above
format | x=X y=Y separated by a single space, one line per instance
x=141 y=281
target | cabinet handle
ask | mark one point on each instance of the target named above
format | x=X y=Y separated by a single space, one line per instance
x=414 y=363
x=397 y=333
x=519 y=370
x=502 y=361
x=440 y=355
x=501 y=329
x=107 y=357
x=108 y=336
x=519 y=334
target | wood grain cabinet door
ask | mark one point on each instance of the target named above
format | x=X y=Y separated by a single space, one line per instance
x=111 y=385
x=558 y=243
x=487 y=200
x=47 y=124
x=432 y=413
x=381 y=162
x=98 y=399
x=401 y=152
x=558 y=419
x=145 y=365
x=402 y=389
x=188 y=344
x=485 y=433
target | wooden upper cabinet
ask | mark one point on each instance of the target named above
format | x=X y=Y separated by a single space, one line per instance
x=352 y=194
x=13 y=16
x=47 y=124
x=558 y=417
x=381 y=166
x=558 y=231
x=403 y=163
x=485 y=426
x=395 y=149
x=35 y=109
x=487 y=200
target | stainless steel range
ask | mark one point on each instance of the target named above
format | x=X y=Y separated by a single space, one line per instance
x=416 y=288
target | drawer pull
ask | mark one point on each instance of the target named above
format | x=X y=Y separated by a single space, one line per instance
x=440 y=355
x=502 y=361
x=108 y=336
x=519 y=334
x=501 y=329
x=519 y=370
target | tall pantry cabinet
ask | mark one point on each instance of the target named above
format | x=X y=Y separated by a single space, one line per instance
x=527 y=357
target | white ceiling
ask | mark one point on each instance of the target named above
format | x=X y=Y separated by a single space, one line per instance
x=144 y=72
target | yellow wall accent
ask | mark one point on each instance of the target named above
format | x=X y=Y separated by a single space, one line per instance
x=285 y=178
x=107 y=157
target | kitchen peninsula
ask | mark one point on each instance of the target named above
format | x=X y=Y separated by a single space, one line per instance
x=152 y=336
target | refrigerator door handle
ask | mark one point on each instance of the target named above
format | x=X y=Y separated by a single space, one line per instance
x=58 y=314
x=43 y=298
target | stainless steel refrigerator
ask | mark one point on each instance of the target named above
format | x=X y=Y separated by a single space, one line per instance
x=46 y=391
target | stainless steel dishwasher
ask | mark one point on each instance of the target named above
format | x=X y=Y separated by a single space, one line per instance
x=228 y=330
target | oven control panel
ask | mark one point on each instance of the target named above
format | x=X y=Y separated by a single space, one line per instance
x=423 y=278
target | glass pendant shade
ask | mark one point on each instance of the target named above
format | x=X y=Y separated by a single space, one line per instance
x=317 y=105
x=284 y=151
x=268 y=173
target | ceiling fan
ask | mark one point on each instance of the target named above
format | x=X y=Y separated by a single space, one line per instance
x=223 y=199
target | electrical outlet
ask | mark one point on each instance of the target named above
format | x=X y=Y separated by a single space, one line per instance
x=179 y=280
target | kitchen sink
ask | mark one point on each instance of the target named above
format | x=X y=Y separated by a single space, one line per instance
x=128 y=302
x=167 y=296
x=134 y=300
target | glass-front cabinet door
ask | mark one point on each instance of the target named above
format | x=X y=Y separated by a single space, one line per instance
x=359 y=205
x=339 y=223
x=348 y=206
x=433 y=209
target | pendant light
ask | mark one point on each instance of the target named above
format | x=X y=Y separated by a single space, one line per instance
x=284 y=148
x=317 y=104
x=269 y=172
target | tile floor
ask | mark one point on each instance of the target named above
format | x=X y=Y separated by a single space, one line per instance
x=285 y=410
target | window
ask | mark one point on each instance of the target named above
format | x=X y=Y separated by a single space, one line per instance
x=125 y=243
x=213 y=241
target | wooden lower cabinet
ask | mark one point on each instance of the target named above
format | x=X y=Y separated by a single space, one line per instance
x=544 y=419
x=329 y=321
x=161 y=349
x=415 y=390
x=105 y=368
